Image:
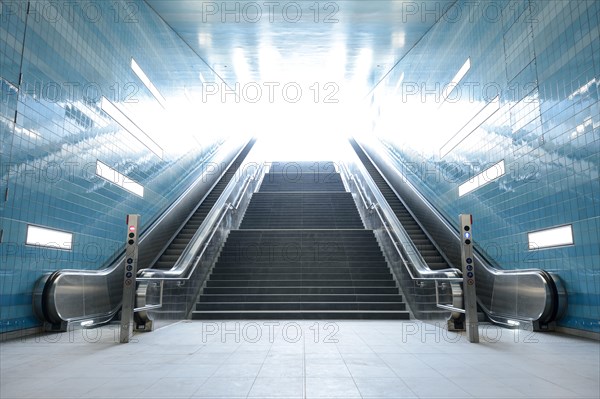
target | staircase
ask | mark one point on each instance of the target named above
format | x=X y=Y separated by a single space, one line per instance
x=301 y=253
x=177 y=246
x=428 y=251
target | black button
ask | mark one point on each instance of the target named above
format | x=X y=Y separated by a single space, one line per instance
x=130 y=242
x=467 y=242
x=130 y=261
x=129 y=267
x=469 y=260
x=128 y=274
x=131 y=235
x=467 y=228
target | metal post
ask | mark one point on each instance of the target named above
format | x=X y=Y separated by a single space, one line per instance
x=129 y=275
x=468 y=269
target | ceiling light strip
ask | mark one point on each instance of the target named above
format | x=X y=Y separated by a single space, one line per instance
x=483 y=115
x=149 y=85
x=110 y=174
x=126 y=123
x=490 y=174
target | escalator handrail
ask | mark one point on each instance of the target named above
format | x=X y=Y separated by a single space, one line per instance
x=423 y=270
x=223 y=173
x=482 y=259
x=553 y=308
x=399 y=197
x=155 y=222
x=46 y=285
x=189 y=259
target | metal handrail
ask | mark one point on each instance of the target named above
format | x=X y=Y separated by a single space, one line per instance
x=204 y=237
x=217 y=180
x=204 y=241
x=160 y=296
x=399 y=231
x=445 y=221
x=530 y=295
x=386 y=225
x=205 y=244
x=425 y=275
x=487 y=265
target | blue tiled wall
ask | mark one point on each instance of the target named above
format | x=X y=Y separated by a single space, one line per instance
x=543 y=60
x=56 y=61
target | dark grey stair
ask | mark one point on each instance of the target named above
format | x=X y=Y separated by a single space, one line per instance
x=301 y=315
x=307 y=181
x=177 y=246
x=287 y=306
x=301 y=253
x=289 y=210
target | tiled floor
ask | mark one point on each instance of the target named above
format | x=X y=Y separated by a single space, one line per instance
x=288 y=359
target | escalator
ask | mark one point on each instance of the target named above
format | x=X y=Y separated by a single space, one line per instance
x=178 y=244
x=507 y=297
x=93 y=297
x=428 y=250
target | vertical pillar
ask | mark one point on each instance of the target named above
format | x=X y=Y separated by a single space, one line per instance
x=129 y=278
x=468 y=270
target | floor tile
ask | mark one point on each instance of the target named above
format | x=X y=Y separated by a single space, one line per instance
x=331 y=388
x=381 y=388
x=168 y=387
x=282 y=370
x=277 y=388
x=327 y=370
x=220 y=387
x=434 y=387
x=238 y=370
x=373 y=359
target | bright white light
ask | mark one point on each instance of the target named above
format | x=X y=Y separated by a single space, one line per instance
x=240 y=64
x=399 y=82
x=149 y=85
x=580 y=129
x=456 y=79
x=552 y=237
x=398 y=39
x=484 y=114
x=44 y=237
x=204 y=39
x=302 y=131
x=335 y=64
x=108 y=173
x=490 y=174
x=131 y=127
x=363 y=64
x=269 y=63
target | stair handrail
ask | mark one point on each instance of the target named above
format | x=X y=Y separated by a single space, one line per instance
x=542 y=311
x=392 y=227
x=212 y=187
x=181 y=270
x=79 y=285
x=555 y=302
x=450 y=276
